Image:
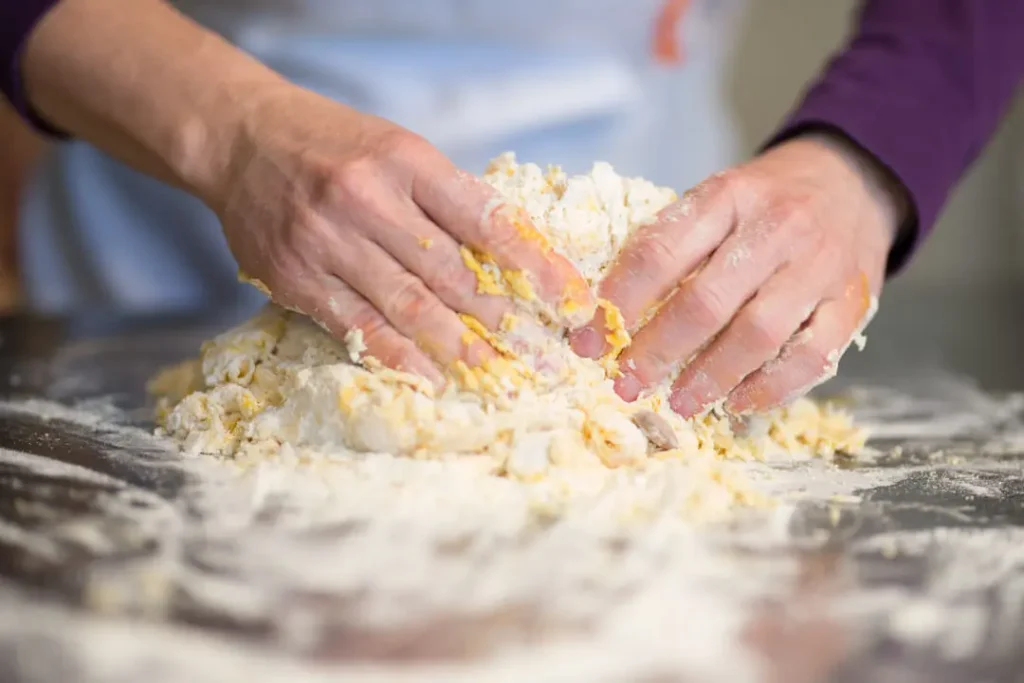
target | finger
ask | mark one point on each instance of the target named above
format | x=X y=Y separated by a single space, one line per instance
x=657 y=257
x=338 y=308
x=810 y=357
x=476 y=215
x=754 y=337
x=407 y=303
x=702 y=306
x=433 y=255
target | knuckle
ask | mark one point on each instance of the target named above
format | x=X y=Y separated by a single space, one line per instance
x=836 y=258
x=705 y=306
x=731 y=180
x=797 y=215
x=652 y=254
x=744 y=188
x=501 y=235
x=370 y=323
x=410 y=302
x=403 y=144
x=762 y=329
x=319 y=185
x=455 y=285
x=382 y=341
x=354 y=181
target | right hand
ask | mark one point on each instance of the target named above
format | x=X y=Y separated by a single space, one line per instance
x=753 y=285
x=358 y=223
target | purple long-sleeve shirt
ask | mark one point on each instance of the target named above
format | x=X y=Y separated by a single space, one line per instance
x=17 y=19
x=921 y=86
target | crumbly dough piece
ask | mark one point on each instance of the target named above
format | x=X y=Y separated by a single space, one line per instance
x=279 y=384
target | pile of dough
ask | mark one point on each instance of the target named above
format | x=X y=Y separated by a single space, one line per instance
x=279 y=385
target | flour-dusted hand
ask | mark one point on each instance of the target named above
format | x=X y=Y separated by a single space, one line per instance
x=345 y=217
x=361 y=224
x=756 y=281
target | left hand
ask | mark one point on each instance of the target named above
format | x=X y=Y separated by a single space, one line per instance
x=760 y=278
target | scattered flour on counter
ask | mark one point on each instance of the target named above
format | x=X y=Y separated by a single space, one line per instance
x=971 y=599
x=379 y=554
x=352 y=557
x=278 y=386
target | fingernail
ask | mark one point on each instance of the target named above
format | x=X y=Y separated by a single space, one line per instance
x=685 y=404
x=693 y=392
x=628 y=387
x=586 y=342
x=739 y=405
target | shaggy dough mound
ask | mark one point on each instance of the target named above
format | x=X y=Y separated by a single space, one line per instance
x=279 y=385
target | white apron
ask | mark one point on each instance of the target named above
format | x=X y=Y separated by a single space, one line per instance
x=475 y=77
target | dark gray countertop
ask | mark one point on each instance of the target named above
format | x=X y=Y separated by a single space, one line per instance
x=937 y=523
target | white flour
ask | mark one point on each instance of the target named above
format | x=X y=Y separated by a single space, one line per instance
x=350 y=548
x=471 y=553
x=356 y=515
x=541 y=430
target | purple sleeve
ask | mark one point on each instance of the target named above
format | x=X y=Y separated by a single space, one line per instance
x=921 y=86
x=17 y=19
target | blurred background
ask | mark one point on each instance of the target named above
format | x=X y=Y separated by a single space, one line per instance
x=567 y=82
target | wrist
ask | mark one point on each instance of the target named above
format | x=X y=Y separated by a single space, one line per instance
x=207 y=145
x=883 y=189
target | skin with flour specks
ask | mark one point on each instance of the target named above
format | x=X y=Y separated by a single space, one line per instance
x=749 y=288
x=543 y=416
x=361 y=224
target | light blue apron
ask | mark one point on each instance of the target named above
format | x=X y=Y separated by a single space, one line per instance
x=468 y=75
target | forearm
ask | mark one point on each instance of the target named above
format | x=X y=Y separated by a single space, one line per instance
x=22 y=148
x=145 y=84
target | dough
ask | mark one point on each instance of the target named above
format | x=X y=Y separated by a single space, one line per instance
x=278 y=385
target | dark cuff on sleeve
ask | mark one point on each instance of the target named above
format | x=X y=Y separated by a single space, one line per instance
x=17 y=20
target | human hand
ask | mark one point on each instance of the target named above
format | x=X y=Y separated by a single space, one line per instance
x=756 y=281
x=358 y=223
x=344 y=217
